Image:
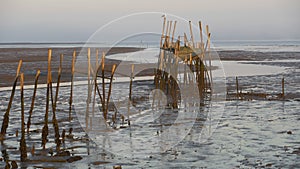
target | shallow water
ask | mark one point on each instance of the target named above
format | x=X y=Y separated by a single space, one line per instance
x=249 y=134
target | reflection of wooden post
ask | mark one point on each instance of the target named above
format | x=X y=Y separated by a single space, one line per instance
x=103 y=86
x=95 y=82
x=33 y=98
x=6 y=115
x=88 y=100
x=185 y=75
x=208 y=51
x=72 y=83
x=23 y=150
x=202 y=83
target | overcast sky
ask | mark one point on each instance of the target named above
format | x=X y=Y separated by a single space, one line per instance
x=77 y=20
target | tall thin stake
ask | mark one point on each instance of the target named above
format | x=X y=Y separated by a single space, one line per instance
x=237 y=87
x=163 y=30
x=54 y=120
x=192 y=36
x=173 y=34
x=282 y=88
x=131 y=78
x=6 y=115
x=110 y=86
x=23 y=150
x=45 y=128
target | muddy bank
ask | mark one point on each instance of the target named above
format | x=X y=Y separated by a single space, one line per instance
x=36 y=58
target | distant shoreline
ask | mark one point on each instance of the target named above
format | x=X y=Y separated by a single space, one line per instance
x=36 y=58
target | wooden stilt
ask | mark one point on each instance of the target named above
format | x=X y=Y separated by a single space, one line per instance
x=192 y=36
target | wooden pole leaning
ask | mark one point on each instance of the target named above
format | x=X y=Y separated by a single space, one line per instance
x=6 y=115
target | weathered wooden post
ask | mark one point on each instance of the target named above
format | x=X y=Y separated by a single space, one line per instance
x=130 y=84
x=54 y=120
x=173 y=34
x=169 y=34
x=110 y=86
x=45 y=128
x=210 y=64
x=201 y=37
x=33 y=99
x=162 y=34
x=202 y=82
x=192 y=36
x=6 y=115
x=165 y=45
x=23 y=150
x=237 y=87
x=282 y=88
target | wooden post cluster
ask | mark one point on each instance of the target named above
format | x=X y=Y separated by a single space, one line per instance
x=104 y=94
x=192 y=55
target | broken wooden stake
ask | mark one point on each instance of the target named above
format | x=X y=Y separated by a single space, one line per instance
x=6 y=115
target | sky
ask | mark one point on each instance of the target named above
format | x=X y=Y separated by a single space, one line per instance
x=78 y=20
